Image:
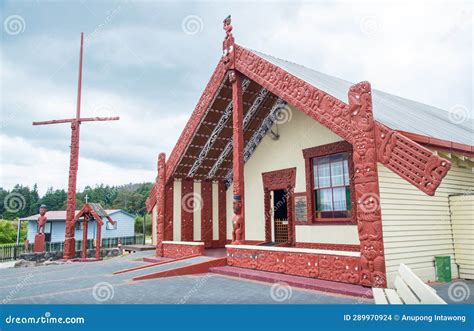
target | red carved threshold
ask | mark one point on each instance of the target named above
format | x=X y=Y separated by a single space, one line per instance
x=295 y=281
x=196 y=268
x=177 y=251
x=336 y=268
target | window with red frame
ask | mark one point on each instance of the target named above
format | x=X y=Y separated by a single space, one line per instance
x=331 y=187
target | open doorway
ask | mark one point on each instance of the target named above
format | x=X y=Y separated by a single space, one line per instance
x=280 y=216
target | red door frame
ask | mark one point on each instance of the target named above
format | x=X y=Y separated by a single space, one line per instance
x=284 y=179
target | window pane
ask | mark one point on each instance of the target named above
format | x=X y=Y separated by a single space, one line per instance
x=337 y=173
x=348 y=197
x=339 y=195
x=324 y=175
x=316 y=198
x=325 y=200
x=346 y=173
x=315 y=175
x=336 y=157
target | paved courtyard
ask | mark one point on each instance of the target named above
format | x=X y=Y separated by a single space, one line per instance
x=93 y=282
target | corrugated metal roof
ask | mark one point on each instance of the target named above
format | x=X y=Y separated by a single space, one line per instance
x=395 y=112
x=60 y=215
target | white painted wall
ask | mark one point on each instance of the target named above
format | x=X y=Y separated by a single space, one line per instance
x=215 y=211
x=177 y=210
x=462 y=222
x=298 y=133
x=197 y=211
x=154 y=219
x=125 y=228
x=417 y=227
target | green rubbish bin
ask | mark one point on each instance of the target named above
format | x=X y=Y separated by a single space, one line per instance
x=443 y=268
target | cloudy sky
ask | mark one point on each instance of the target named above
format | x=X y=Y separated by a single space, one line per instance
x=148 y=62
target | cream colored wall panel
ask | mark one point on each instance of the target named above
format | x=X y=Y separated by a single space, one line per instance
x=215 y=211
x=417 y=227
x=197 y=211
x=295 y=135
x=462 y=218
x=154 y=217
x=347 y=234
x=177 y=210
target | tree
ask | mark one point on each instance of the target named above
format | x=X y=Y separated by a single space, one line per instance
x=139 y=224
x=130 y=201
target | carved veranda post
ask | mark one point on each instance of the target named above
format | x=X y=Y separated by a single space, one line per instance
x=160 y=200
x=228 y=57
x=369 y=217
x=238 y=220
x=268 y=214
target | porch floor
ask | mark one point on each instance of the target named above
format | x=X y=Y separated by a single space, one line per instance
x=295 y=281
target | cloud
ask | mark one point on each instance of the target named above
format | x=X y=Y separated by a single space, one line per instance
x=140 y=65
x=25 y=163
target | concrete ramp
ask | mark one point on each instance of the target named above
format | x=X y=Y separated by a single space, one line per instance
x=157 y=262
x=188 y=269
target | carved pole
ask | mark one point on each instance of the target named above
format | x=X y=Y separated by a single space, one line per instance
x=85 y=224
x=268 y=214
x=290 y=216
x=98 y=240
x=69 y=241
x=228 y=58
x=369 y=217
x=238 y=158
x=160 y=222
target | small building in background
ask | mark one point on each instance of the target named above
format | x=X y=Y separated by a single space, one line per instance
x=55 y=226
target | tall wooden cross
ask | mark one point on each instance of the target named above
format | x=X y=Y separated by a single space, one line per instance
x=69 y=242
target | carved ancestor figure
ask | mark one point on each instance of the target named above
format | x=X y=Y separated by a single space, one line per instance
x=228 y=44
x=41 y=219
x=237 y=221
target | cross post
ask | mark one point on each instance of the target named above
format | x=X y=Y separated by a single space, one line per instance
x=69 y=240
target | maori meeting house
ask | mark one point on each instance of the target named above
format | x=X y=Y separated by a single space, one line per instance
x=288 y=170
